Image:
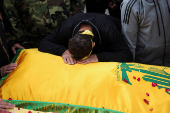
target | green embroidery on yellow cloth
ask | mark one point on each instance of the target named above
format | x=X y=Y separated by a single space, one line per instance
x=155 y=75
x=58 y=107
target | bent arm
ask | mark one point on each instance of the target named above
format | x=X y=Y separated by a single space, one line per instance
x=119 y=51
x=57 y=42
x=51 y=44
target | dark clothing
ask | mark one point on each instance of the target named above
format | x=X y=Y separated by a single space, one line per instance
x=118 y=2
x=6 y=41
x=32 y=20
x=5 y=44
x=4 y=51
x=6 y=21
x=1 y=5
x=94 y=6
x=115 y=12
x=109 y=43
x=99 y=6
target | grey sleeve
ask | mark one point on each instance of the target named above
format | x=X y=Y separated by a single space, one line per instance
x=129 y=21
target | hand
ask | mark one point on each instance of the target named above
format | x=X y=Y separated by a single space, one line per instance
x=16 y=46
x=91 y=59
x=7 y=69
x=112 y=5
x=68 y=58
x=4 y=105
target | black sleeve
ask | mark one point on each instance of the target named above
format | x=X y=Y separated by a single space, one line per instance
x=57 y=42
x=119 y=50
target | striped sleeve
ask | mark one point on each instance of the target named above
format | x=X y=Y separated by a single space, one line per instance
x=129 y=23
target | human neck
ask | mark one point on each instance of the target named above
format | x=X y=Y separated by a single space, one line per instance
x=85 y=27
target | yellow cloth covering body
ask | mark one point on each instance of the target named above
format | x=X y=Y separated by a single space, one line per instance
x=45 y=77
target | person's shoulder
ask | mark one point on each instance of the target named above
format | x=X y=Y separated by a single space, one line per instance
x=130 y=3
x=129 y=6
x=130 y=9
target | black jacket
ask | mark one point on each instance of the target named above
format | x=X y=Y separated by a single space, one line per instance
x=109 y=43
x=118 y=2
x=5 y=43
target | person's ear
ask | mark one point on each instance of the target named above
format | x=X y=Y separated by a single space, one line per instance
x=93 y=44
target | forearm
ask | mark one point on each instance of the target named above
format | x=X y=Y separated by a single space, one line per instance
x=50 y=47
x=123 y=56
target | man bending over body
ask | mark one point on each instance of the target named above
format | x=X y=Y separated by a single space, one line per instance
x=88 y=38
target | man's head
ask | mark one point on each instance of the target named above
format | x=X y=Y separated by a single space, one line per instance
x=80 y=45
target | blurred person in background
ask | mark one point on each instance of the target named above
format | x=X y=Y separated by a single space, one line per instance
x=32 y=20
x=6 y=42
x=7 y=49
x=99 y=6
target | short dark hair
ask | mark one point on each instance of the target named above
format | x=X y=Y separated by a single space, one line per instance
x=80 y=45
